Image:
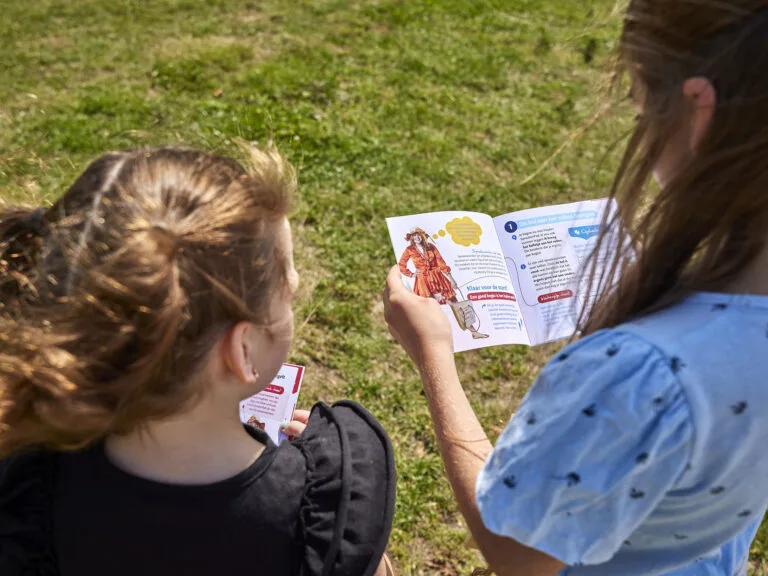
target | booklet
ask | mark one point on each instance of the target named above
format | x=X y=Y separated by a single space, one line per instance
x=513 y=279
x=275 y=404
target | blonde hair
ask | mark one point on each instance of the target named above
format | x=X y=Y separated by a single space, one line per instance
x=114 y=295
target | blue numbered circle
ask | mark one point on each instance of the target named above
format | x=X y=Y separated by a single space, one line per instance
x=514 y=236
x=523 y=267
x=511 y=227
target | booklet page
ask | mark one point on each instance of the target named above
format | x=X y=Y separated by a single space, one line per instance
x=546 y=249
x=275 y=404
x=455 y=258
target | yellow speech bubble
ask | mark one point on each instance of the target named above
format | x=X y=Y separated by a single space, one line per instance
x=441 y=233
x=464 y=231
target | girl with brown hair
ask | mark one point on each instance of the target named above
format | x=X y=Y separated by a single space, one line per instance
x=138 y=311
x=640 y=449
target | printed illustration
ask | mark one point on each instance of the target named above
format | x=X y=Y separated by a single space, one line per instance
x=275 y=404
x=255 y=422
x=433 y=279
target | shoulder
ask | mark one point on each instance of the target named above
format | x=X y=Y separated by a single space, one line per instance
x=348 y=504
x=715 y=344
x=26 y=494
x=611 y=357
x=410 y=252
x=698 y=319
x=602 y=436
x=617 y=384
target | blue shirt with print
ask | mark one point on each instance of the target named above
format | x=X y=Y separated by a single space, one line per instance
x=643 y=449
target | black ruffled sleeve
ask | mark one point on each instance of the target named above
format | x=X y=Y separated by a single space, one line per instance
x=349 y=502
x=26 y=496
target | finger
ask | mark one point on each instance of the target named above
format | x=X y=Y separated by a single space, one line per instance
x=301 y=416
x=293 y=428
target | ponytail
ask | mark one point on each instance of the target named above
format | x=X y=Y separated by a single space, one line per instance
x=147 y=259
x=95 y=363
x=21 y=234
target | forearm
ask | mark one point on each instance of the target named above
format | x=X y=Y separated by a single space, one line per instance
x=460 y=435
x=465 y=447
x=461 y=438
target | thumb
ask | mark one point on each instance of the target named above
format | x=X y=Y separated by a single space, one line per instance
x=395 y=281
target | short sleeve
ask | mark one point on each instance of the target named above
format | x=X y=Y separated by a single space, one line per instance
x=604 y=433
x=26 y=495
x=348 y=507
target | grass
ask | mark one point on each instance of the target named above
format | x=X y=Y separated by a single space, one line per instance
x=387 y=107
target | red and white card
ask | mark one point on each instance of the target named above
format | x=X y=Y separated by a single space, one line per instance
x=275 y=404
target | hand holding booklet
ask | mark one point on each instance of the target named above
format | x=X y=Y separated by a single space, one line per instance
x=513 y=279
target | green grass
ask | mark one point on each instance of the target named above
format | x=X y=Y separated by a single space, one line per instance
x=387 y=107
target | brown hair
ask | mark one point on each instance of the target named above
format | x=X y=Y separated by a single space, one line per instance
x=710 y=221
x=425 y=240
x=114 y=295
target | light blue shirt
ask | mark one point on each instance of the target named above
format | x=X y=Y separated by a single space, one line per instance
x=643 y=449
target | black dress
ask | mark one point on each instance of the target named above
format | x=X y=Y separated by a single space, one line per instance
x=321 y=505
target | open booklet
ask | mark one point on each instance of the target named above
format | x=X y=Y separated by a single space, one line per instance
x=513 y=279
x=275 y=404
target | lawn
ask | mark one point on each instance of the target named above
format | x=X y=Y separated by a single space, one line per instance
x=386 y=107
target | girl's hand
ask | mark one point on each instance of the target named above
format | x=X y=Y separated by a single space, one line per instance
x=418 y=324
x=296 y=426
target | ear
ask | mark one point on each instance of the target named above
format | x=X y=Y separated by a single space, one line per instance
x=238 y=355
x=700 y=94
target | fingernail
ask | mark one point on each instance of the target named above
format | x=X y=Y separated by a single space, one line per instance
x=284 y=425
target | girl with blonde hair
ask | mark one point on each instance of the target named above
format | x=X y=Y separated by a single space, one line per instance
x=138 y=311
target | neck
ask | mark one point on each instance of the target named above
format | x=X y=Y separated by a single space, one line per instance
x=204 y=445
x=754 y=278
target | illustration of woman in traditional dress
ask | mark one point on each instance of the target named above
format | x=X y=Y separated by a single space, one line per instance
x=433 y=277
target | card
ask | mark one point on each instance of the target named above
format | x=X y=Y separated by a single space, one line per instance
x=275 y=404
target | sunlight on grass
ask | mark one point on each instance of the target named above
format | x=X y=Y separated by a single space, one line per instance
x=387 y=108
